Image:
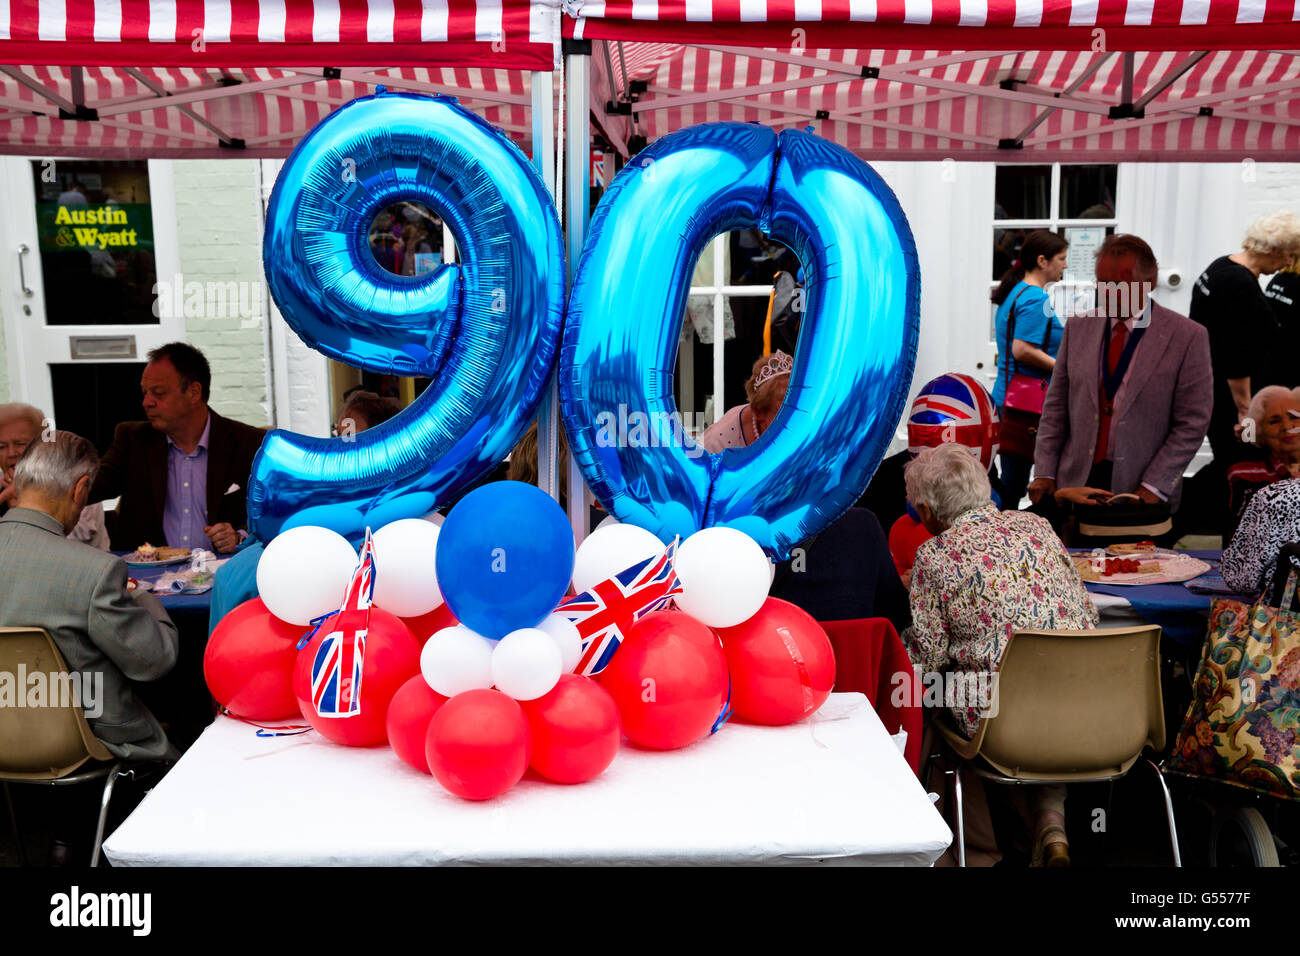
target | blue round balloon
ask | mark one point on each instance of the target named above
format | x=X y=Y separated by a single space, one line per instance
x=505 y=557
x=485 y=330
x=853 y=365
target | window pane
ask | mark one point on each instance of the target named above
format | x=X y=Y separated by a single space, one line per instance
x=1022 y=192
x=92 y=398
x=1006 y=248
x=95 y=233
x=1080 y=255
x=1088 y=192
x=756 y=259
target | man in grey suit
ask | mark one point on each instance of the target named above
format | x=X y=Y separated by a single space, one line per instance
x=1131 y=393
x=79 y=594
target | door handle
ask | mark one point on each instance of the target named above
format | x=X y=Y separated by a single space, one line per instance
x=23 y=249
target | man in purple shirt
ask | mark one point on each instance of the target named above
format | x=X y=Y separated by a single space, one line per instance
x=182 y=475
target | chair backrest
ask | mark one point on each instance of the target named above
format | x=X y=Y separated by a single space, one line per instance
x=40 y=742
x=1075 y=703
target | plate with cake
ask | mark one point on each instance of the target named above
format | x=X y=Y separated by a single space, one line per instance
x=1137 y=563
x=148 y=556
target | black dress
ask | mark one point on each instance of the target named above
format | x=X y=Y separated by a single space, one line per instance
x=1244 y=339
x=1283 y=294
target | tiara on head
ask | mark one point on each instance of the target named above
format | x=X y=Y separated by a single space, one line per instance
x=777 y=365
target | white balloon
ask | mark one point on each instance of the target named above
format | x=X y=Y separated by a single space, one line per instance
x=304 y=572
x=609 y=550
x=606 y=521
x=724 y=576
x=455 y=660
x=405 y=581
x=526 y=664
x=565 y=634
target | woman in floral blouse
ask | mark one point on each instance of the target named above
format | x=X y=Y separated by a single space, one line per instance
x=986 y=575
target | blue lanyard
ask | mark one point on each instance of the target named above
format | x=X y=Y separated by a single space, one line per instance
x=1110 y=382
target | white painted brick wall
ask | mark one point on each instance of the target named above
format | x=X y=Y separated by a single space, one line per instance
x=219 y=228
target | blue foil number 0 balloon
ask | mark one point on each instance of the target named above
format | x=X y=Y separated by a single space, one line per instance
x=853 y=365
x=484 y=330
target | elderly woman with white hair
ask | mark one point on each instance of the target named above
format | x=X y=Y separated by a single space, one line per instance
x=1245 y=336
x=1272 y=425
x=985 y=575
x=20 y=426
x=1270 y=491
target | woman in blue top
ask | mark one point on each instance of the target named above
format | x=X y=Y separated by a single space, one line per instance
x=1025 y=317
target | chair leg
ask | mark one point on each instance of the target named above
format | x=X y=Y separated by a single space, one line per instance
x=961 y=819
x=1169 y=813
x=103 y=810
x=13 y=826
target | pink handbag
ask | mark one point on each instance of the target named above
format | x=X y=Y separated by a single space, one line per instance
x=1025 y=393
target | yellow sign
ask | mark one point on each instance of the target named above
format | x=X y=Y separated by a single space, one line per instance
x=84 y=223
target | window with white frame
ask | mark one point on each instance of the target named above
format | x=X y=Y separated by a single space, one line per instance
x=1077 y=202
x=726 y=316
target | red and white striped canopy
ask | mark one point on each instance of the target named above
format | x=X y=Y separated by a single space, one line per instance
x=196 y=78
x=497 y=34
x=1216 y=105
x=947 y=24
x=187 y=112
x=1005 y=80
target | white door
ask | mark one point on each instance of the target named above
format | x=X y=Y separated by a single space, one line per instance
x=86 y=244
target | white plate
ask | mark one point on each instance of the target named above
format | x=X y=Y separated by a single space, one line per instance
x=159 y=563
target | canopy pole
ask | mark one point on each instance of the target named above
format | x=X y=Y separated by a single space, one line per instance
x=542 y=93
x=577 y=199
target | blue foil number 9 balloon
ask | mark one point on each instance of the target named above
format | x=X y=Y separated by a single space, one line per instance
x=853 y=365
x=485 y=330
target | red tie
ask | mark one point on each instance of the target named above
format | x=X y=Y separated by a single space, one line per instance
x=1118 y=336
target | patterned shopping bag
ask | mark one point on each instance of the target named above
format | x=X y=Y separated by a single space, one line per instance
x=1243 y=726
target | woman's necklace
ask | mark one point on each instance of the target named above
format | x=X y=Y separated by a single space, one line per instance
x=752 y=424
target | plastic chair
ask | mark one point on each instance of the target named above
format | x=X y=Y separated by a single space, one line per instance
x=51 y=744
x=870 y=659
x=1068 y=707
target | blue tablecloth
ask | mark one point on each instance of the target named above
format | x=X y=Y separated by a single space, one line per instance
x=1179 y=611
x=192 y=603
x=180 y=699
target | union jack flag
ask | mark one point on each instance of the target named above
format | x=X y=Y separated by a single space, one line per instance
x=336 y=669
x=615 y=604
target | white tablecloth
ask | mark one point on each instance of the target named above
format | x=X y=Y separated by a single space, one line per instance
x=1115 y=611
x=833 y=788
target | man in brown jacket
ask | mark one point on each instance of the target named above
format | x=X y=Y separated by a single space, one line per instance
x=1130 y=398
x=183 y=474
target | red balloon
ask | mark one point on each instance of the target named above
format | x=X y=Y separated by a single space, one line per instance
x=478 y=744
x=575 y=730
x=426 y=625
x=248 y=663
x=391 y=658
x=412 y=708
x=781 y=662
x=669 y=679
